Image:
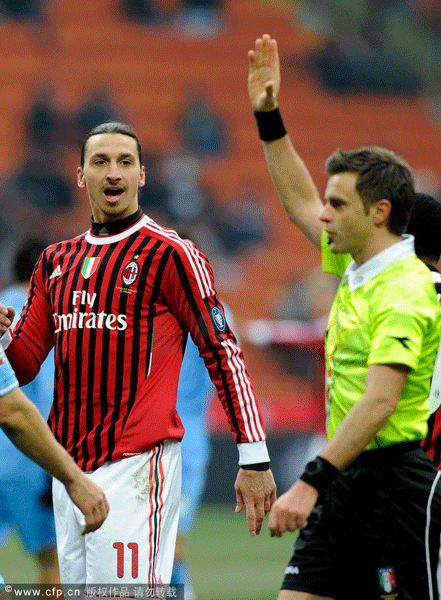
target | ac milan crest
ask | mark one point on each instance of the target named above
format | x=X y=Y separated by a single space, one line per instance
x=130 y=273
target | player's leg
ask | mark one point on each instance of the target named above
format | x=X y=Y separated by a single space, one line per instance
x=136 y=543
x=195 y=451
x=3 y=593
x=48 y=565
x=33 y=520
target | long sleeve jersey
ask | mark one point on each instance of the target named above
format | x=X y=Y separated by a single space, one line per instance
x=117 y=303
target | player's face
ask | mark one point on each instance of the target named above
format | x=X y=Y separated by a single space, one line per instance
x=348 y=226
x=112 y=176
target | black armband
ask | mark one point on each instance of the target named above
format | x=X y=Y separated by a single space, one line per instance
x=270 y=125
x=256 y=467
x=319 y=473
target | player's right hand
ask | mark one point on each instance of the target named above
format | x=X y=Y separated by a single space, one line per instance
x=264 y=74
x=7 y=314
x=90 y=499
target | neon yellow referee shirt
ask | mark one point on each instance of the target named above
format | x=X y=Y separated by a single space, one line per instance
x=384 y=312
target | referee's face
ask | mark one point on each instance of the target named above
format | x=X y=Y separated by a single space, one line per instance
x=347 y=225
x=112 y=176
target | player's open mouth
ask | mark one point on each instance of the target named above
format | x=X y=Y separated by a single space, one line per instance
x=112 y=194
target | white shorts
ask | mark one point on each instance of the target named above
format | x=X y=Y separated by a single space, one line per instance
x=136 y=543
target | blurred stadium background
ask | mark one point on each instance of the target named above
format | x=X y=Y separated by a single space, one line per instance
x=354 y=72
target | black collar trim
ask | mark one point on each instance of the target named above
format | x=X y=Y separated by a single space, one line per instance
x=114 y=227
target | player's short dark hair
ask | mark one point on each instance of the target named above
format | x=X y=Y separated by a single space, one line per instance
x=26 y=257
x=112 y=127
x=381 y=174
x=425 y=225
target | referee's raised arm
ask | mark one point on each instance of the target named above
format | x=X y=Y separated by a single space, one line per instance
x=293 y=182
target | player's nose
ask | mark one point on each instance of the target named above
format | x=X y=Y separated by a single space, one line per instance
x=113 y=172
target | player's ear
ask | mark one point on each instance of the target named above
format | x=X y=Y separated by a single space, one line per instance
x=141 y=180
x=80 y=178
x=381 y=211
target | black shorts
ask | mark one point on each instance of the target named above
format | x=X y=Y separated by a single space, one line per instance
x=375 y=533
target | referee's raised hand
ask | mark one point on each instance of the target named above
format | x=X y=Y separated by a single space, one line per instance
x=264 y=74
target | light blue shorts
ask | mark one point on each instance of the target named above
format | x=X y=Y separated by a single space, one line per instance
x=21 y=508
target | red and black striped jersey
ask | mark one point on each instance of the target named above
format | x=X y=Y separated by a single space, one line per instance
x=432 y=443
x=118 y=309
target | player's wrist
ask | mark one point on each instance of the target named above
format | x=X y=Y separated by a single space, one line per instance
x=263 y=466
x=5 y=338
x=319 y=473
x=252 y=453
x=270 y=124
x=8 y=380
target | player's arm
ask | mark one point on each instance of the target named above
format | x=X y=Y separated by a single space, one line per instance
x=33 y=335
x=189 y=288
x=22 y=422
x=384 y=384
x=294 y=185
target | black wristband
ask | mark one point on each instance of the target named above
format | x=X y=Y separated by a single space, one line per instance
x=270 y=125
x=256 y=467
x=319 y=473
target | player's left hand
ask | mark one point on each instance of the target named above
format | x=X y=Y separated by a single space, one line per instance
x=256 y=491
x=7 y=314
x=291 y=511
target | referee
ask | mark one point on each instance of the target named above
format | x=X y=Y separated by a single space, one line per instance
x=369 y=505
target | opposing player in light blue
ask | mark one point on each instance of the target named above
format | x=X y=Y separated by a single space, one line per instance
x=194 y=392
x=25 y=501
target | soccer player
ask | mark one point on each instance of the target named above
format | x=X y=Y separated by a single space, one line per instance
x=23 y=485
x=24 y=425
x=194 y=392
x=117 y=303
x=425 y=225
x=369 y=505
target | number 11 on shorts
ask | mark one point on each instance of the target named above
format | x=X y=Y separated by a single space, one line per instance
x=119 y=547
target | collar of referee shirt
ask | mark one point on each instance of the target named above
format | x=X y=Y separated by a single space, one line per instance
x=113 y=227
x=357 y=276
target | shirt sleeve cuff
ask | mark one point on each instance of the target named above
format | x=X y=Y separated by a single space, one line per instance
x=6 y=339
x=253 y=452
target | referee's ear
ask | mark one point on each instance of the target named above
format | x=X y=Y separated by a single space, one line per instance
x=381 y=210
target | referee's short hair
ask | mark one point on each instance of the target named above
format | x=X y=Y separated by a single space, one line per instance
x=425 y=225
x=380 y=174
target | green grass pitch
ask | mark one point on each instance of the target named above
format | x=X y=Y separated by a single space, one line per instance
x=226 y=562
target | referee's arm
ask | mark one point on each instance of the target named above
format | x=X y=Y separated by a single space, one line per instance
x=384 y=384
